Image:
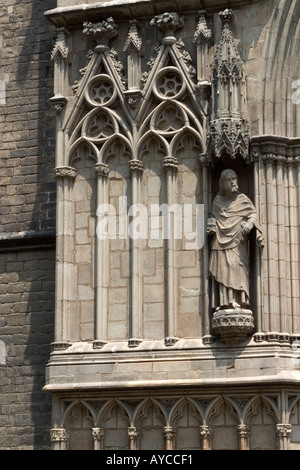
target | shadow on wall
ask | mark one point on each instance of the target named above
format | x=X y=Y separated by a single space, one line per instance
x=35 y=81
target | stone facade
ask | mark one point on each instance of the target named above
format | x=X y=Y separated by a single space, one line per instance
x=152 y=101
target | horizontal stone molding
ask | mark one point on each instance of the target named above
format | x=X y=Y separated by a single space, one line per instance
x=33 y=239
x=89 y=10
x=275 y=150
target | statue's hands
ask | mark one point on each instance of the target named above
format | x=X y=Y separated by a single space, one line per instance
x=247 y=227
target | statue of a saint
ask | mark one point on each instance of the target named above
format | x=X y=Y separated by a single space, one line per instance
x=234 y=216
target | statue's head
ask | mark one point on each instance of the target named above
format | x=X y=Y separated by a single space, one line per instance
x=228 y=182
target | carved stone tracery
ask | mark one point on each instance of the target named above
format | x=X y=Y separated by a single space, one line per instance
x=229 y=131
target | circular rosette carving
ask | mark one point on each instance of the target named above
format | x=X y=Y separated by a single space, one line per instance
x=100 y=91
x=100 y=125
x=168 y=119
x=169 y=84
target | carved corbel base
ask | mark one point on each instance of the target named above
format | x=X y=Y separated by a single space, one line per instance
x=99 y=343
x=233 y=326
x=170 y=341
x=134 y=342
x=60 y=346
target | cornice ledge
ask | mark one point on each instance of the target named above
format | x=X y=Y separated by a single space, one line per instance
x=274 y=139
x=76 y=14
x=282 y=379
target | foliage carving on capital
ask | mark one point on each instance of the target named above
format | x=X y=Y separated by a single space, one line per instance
x=58 y=435
x=65 y=172
x=168 y=22
x=284 y=430
x=169 y=432
x=98 y=433
x=206 y=432
x=102 y=31
x=244 y=431
x=102 y=170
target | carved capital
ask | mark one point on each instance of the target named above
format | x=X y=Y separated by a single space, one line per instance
x=65 y=172
x=284 y=430
x=132 y=433
x=293 y=161
x=98 y=434
x=269 y=158
x=102 y=170
x=244 y=431
x=170 y=163
x=136 y=166
x=169 y=432
x=204 y=160
x=206 y=432
x=101 y=32
x=168 y=22
x=58 y=434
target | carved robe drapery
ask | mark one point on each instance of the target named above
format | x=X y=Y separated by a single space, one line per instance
x=229 y=260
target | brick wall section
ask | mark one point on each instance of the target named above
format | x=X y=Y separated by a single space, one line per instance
x=27 y=120
x=26 y=328
x=27 y=204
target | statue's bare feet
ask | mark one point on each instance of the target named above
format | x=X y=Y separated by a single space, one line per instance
x=235 y=305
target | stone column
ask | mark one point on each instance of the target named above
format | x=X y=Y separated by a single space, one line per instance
x=133 y=438
x=170 y=438
x=244 y=436
x=258 y=264
x=64 y=228
x=293 y=207
x=98 y=435
x=135 y=328
x=205 y=164
x=281 y=241
x=59 y=438
x=270 y=305
x=283 y=436
x=170 y=165
x=206 y=437
x=102 y=263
